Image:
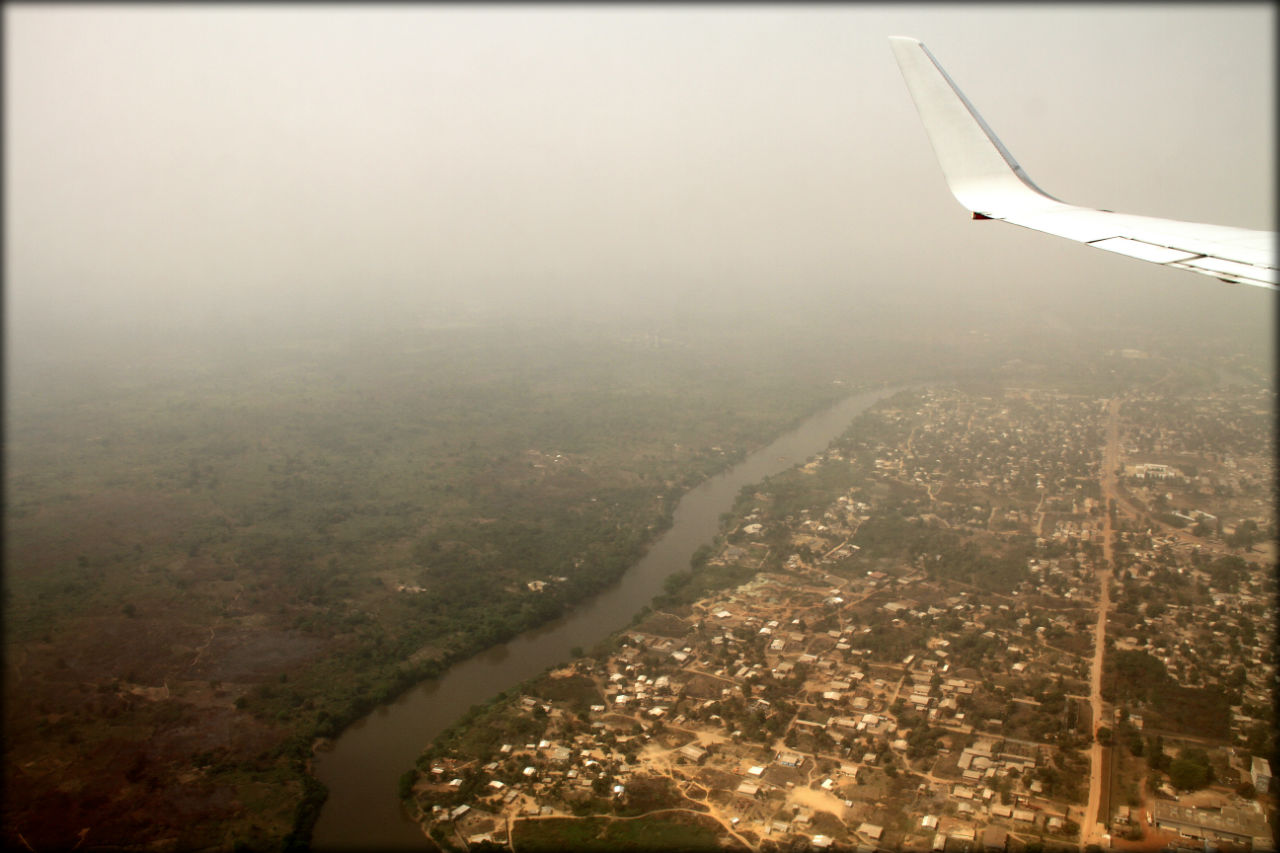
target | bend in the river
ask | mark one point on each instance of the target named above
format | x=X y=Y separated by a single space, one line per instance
x=364 y=764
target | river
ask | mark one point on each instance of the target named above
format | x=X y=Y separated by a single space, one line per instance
x=365 y=763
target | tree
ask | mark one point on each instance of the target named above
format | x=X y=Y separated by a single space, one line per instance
x=1188 y=774
x=1244 y=537
x=1157 y=759
x=406 y=783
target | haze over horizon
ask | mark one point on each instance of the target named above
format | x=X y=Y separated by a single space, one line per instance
x=192 y=171
x=349 y=346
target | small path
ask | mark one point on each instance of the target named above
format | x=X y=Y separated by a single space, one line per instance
x=200 y=651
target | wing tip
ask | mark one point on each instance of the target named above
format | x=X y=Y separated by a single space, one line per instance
x=900 y=44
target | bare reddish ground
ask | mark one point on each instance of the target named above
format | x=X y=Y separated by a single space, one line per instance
x=97 y=758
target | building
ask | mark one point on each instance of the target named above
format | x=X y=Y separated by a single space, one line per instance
x=1238 y=826
x=994 y=838
x=1260 y=774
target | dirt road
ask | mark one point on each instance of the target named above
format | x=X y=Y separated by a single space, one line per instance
x=1093 y=827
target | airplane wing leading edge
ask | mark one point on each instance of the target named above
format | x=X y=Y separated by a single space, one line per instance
x=985 y=178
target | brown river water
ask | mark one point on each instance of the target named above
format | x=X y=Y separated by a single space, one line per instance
x=365 y=763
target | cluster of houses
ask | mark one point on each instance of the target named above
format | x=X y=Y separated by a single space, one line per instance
x=689 y=690
x=1215 y=449
x=1009 y=451
x=1223 y=639
x=849 y=702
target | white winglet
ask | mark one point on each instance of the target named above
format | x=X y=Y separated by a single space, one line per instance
x=984 y=177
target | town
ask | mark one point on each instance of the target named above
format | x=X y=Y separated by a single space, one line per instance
x=1000 y=619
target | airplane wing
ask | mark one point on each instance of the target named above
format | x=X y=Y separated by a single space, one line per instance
x=985 y=178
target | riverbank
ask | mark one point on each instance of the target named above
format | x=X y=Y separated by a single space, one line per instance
x=363 y=768
x=212 y=563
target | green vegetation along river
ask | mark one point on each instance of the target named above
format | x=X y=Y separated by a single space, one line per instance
x=362 y=767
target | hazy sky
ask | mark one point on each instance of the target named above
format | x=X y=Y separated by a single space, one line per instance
x=170 y=163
